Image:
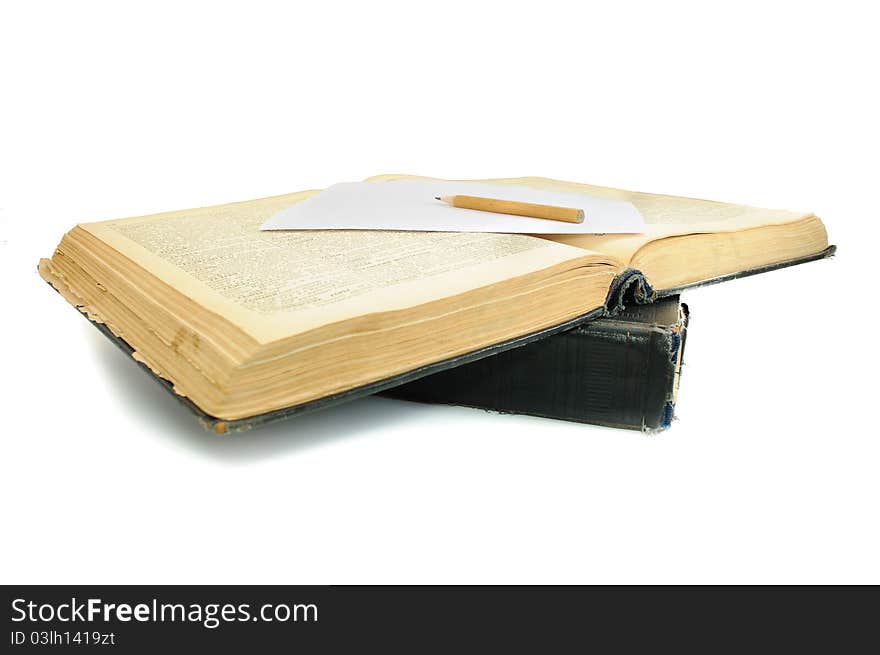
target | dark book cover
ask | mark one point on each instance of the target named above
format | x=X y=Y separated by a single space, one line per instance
x=620 y=372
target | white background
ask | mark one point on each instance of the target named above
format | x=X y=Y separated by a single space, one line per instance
x=770 y=473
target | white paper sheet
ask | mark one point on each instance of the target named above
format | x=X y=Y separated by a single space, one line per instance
x=410 y=205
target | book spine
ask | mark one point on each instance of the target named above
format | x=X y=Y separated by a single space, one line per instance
x=613 y=373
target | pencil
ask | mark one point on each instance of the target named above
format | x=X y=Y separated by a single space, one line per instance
x=532 y=210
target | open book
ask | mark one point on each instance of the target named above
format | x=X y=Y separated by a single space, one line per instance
x=244 y=323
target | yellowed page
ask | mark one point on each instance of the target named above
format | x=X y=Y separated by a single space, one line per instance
x=275 y=284
x=664 y=215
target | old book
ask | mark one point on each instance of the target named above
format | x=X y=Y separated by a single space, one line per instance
x=248 y=326
x=620 y=371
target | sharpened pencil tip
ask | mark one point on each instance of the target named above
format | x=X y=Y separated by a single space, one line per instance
x=436 y=197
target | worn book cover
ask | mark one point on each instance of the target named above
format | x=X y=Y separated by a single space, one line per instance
x=620 y=371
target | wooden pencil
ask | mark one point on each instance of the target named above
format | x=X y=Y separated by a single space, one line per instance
x=532 y=210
